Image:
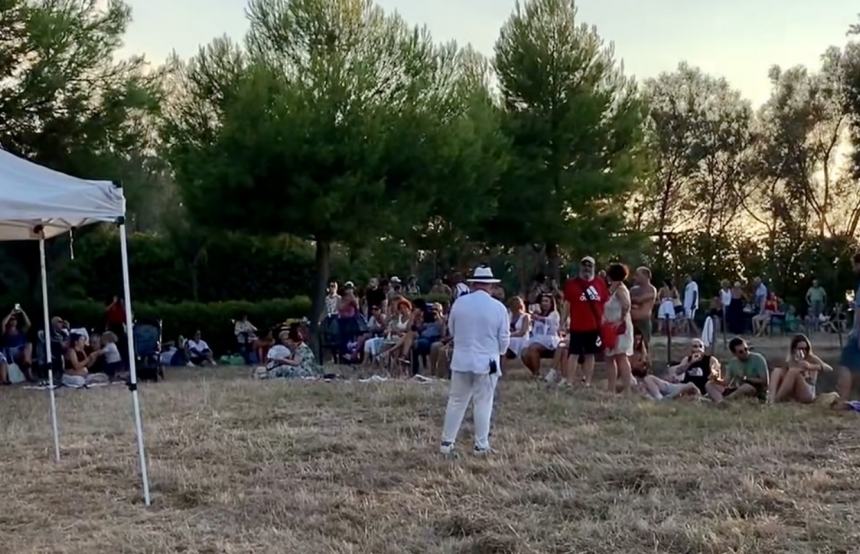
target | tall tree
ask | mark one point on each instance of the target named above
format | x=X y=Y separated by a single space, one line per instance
x=574 y=122
x=326 y=126
x=804 y=125
x=67 y=104
x=700 y=132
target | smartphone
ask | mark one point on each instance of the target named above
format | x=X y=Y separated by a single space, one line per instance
x=17 y=307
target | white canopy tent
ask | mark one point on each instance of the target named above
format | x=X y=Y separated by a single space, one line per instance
x=37 y=203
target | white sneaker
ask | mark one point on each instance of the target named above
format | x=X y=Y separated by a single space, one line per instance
x=447 y=450
x=482 y=452
x=551 y=377
x=190 y=364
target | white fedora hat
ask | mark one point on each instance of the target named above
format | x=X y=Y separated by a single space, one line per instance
x=483 y=274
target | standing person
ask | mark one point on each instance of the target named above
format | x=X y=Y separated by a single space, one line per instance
x=617 y=315
x=691 y=304
x=643 y=296
x=816 y=300
x=735 y=322
x=374 y=297
x=666 y=312
x=332 y=300
x=480 y=327
x=849 y=361
x=412 y=288
x=759 y=294
x=747 y=375
x=441 y=289
x=460 y=287
x=116 y=324
x=725 y=302
x=585 y=296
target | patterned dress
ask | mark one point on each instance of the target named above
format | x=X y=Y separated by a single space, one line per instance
x=307 y=367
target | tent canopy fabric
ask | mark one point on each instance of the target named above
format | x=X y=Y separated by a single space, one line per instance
x=33 y=195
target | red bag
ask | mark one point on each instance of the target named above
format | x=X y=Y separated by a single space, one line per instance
x=608 y=336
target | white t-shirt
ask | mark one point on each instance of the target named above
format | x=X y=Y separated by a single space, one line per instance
x=726 y=297
x=461 y=289
x=112 y=354
x=198 y=346
x=760 y=294
x=691 y=296
x=278 y=352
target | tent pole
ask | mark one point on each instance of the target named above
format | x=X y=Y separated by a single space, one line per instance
x=48 y=361
x=132 y=363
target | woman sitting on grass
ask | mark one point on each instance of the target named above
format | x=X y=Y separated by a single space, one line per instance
x=301 y=364
x=796 y=380
x=77 y=374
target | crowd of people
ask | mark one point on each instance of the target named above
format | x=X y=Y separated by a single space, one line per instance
x=79 y=357
x=594 y=316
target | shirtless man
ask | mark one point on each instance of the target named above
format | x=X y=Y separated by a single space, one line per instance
x=643 y=295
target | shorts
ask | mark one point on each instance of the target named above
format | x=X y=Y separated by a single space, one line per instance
x=671 y=390
x=584 y=343
x=666 y=310
x=850 y=358
x=644 y=328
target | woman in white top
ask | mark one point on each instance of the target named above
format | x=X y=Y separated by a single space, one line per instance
x=666 y=312
x=545 y=337
x=617 y=313
x=521 y=324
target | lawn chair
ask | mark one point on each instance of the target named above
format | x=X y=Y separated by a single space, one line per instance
x=147 y=350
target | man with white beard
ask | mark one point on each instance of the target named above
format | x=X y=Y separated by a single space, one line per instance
x=480 y=328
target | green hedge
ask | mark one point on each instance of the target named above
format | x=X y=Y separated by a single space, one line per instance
x=183 y=318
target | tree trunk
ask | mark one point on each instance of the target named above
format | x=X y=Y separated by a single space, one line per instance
x=323 y=268
x=554 y=260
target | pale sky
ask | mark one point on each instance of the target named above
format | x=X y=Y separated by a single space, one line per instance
x=737 y=39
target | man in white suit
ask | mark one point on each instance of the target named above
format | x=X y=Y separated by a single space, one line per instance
x=480 y=328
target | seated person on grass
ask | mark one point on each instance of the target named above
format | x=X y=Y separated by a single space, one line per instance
x=689 y=378
x=279 y=353
x=198 y=352
x=78 y=363
x=746 y=376
x=796 y=380
x=113 y=365
x=301 y=364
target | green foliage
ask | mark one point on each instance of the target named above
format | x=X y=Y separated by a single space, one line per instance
x=184 y=318
x=574 y=122
x=229 y=267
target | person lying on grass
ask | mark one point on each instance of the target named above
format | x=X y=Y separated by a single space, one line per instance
x=688 y=378
x=796 y=381
x=747 y=375
x=77 y=373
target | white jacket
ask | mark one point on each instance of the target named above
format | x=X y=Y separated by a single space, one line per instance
x=481 y=331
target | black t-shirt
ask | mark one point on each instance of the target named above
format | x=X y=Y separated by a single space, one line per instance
x=699 y=373
x=375 y=297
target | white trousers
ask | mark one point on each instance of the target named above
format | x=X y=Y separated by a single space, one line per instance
x=479 y=389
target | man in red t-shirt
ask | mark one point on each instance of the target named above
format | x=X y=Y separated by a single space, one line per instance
x=585 y=296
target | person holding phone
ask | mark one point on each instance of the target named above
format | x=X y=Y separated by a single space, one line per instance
x=480 y=328
x=747 y=375
x=797 y=379
x=17 y=348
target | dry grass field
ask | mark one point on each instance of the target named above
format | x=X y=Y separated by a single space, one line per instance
x=240 y=466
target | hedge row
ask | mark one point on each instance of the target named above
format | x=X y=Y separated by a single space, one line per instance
x=183 y=318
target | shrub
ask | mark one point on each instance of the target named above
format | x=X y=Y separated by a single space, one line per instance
x=183 y=318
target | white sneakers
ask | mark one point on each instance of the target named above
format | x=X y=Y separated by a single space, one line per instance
x=448 y=451
x=552 y=377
